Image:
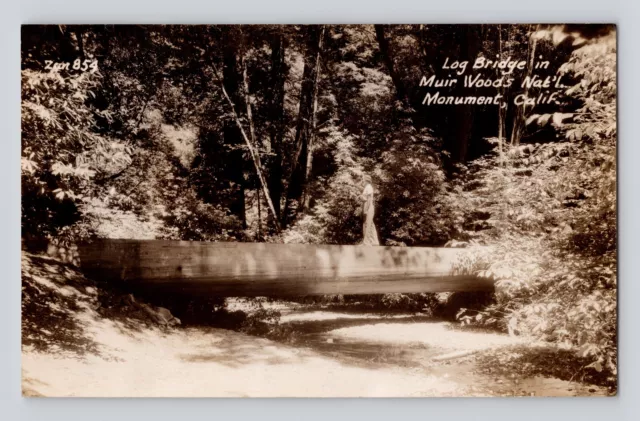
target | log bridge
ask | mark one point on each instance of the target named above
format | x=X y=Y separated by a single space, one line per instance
x=263 y=269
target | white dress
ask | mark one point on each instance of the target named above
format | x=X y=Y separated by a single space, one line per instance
x=369 y=234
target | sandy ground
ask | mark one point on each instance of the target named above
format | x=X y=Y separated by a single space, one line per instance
x=221 y=363
x=199 y=363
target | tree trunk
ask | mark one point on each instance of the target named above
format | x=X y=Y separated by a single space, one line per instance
x=259 y=215
x=255 y=156
x=312 y=132
x=232 y=136
x=462 y=127
x=383 y=43
x=247 y=102
x=298 y=179
x=520 y=116
x=78 y=30
x=252 y=144
x=276 y=120
x=426 y=56
x=502 y=111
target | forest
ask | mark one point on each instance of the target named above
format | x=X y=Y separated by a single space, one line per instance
x=265 y=133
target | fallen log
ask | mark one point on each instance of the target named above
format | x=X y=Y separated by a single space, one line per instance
x=260 y=269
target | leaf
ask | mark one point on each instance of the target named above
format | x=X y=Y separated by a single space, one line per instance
x=573 y=90
x=558 y=36
x=461 y=312
x=544 y=119
x=532 y=118
x=597 y=365
x=558 y=118
x=586 y=349
x=578 y=134
x=610 y=130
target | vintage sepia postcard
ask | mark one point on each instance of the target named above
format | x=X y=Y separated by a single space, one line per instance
x=319 y=210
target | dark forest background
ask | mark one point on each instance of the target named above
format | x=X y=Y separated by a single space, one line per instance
x=264 y=132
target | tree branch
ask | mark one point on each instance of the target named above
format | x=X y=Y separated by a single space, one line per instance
x=254 y=155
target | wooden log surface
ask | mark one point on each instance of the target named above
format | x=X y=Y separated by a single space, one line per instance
x=261 y=269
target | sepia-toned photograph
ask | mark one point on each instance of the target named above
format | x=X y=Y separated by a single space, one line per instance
x=407 y=210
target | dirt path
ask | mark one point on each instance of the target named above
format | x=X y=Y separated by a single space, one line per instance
x=338 y=355
x=436 y=348
x=196 y=362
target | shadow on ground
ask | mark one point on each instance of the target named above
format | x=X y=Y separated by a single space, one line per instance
x=304 y=337
x=315 y=335
x=58 y=303
x=52 y=293
x=237 y=350
x=29 y=386
x=548 y=362
x=310 y=326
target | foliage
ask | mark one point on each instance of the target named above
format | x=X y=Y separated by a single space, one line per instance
x=423 y=303
x=187 y=218
x=551 y=223
x=52 y=294
x=414 y=207
x=335 y=217
x=61 y=154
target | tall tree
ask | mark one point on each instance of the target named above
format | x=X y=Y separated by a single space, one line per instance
x=276 y=114
x=463 y=118
x=521 y=111
x=502 y=111
x=231 y=132
x=383 y=43
x=250 y=141
x=308 y=92
x=312 y=129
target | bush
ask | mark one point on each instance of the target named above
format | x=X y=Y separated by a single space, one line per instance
x=414 y=208
x=552 y=222
x=61 y=153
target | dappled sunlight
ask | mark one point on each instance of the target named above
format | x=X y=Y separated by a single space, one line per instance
x=219 y=363
x=52 y=296
x=437 y=334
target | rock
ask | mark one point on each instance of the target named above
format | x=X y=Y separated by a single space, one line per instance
x=159 y=315
x=67 y=254
x=166 y=316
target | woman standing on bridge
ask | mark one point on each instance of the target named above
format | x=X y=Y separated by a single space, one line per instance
x=370 y=236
